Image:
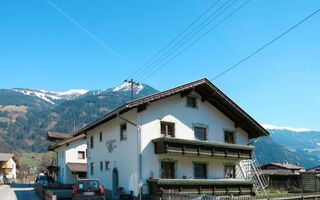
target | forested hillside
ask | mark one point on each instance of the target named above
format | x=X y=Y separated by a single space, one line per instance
x=25 y=120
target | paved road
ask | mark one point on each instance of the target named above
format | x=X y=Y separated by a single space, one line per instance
x=17 y=192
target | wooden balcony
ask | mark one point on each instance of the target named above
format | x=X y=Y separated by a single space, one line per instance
x=216 y=187
x=6 y=170
x=184 y=147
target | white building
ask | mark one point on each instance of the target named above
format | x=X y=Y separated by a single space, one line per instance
x=71 y=157
x=8 y=165
x=190 y=138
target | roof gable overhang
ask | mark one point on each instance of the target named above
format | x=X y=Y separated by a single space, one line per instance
x=207 y=91
x=66 y=142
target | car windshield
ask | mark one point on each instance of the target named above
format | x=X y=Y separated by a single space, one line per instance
x=43 y=178
x=88 y=184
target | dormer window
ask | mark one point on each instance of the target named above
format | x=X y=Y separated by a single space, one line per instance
x=191 y=101
x=167 y=129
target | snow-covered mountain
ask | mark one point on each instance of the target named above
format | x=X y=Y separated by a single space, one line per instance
x=126 y=87
x=52 y=96
x=296 y=145
x=272 y=127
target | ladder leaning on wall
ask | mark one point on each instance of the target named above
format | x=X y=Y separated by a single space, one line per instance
x=250 y=170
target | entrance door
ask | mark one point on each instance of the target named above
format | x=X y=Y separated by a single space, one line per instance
x=115 y=184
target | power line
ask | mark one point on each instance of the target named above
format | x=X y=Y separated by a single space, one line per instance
x=187 y=37
x=266 y=45
x=91 y=35
x=173 y=40
x=200 y=37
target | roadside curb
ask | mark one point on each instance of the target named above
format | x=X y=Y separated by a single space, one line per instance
x=3 y=186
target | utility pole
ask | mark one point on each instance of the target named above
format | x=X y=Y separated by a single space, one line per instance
x=132 y=83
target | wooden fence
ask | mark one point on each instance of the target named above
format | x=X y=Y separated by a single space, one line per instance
x=182 y=196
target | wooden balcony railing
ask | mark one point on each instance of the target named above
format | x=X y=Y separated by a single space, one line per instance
x=216 y=187
x=177 y=146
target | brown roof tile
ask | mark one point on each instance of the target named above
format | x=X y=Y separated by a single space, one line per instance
x=58 y=136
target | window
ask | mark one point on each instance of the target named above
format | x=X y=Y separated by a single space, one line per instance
x=100 y=137
x=123 y=132
x=92 y=168
x=81 y=155
x=191 y=102
x=200 y=171
x=91 y=142
x=107 y=165
x=229 y=171
x=200 y=133
x=101 y=166
x=168 y=170
x=167 y=129
x=229 y=137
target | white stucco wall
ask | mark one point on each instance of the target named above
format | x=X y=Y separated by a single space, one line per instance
x=171 y=109
x=70 y=154
x=124 y=157
x=174 y=109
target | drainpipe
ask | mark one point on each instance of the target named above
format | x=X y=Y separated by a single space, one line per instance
x=139 y=151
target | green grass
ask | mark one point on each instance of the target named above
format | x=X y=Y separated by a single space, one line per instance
x=29 y=159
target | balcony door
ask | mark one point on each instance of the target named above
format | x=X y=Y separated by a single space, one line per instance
x=168 y=170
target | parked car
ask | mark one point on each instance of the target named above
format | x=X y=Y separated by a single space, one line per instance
x=88 y=189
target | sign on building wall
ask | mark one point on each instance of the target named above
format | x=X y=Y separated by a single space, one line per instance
x=111 y=146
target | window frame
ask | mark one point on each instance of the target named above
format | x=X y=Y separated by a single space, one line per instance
x=92 y=168
x=123 y=135
x=100 y=136
x=91 y=142
x=225 y=132
x=82 y=153
x=173 y=171
x=166 y=129
x=233 y=168
x=107 y=167
x=194 y=101
x=206 y=169
x=203 y=128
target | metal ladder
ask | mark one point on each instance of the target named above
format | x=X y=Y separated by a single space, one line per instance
x=251 y=170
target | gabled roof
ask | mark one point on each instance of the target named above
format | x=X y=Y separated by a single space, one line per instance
x=66 y=141
x=6 y=156
x=208 y=92
x=316 y=168
x=284 y=166
x=52 y=136
x=278 y=172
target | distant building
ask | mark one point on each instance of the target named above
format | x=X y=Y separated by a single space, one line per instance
x=71 y=157
x=283 y=176
x=311 y=179
x=314 y=169
x=8 y=165
x=188 y=139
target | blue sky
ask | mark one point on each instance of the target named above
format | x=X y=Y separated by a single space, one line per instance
x=41 y=48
